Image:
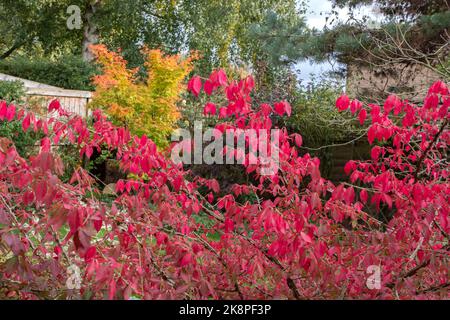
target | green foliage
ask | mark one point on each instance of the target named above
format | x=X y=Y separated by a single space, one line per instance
x=220 y=30
x=433 y=24
x=274 y=84
x=12 y=91
x=281 y=38
x=69 y=72
x=98 y=160
x=322 y=126
x=315 y=117
x=217 y=29
x=27 y=143
x=37 y=27
x=70 y=156
x=424 y=26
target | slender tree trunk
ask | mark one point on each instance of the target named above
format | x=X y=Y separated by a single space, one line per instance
x=7 y=53
x=90 y=35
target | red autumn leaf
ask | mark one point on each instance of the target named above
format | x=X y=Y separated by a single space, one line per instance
x=355 y=106
x=210 y=108
x=343 y=102
x=438 y=87
x=375 y=153
x=10 y=112
x=208 y=87
x=362 y=116
x=145 y=164
x=298 y=139
x=45 y=144
x=161 y=238
x=363 y=196
x=26 y=122
x=375 y=113
x=195 y=85
x=371 y=134
x=282 y=107
x=392 y=102
x=222 y=78
x=223 y=113
x=305 y=237
x=40 y=190
x=98 y=223
x=288 y=109
x=90 y=254
x=89 y=151
x=349 y=195
x=196 y=207
x=120 y=186
x=3 y=109
x=54 y=105
x=229 y=225
x=112 y=289
x=420 y=255
x=431 y=101
x=57 y=250
x=186 y=260
x=349 y=166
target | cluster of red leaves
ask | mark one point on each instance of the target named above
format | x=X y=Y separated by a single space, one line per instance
x=304 y=238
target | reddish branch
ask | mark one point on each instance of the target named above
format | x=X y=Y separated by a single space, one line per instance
x=430 y=146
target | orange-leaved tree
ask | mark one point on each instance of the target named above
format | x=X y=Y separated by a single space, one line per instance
x=145 y=106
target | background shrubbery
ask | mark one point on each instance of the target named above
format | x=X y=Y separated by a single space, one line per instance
x=12 y=91
x=69 y=72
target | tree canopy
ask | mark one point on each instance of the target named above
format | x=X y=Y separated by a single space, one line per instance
x=421 y=25
x=216 y=29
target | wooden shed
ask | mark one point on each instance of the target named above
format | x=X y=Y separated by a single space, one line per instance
x=75 y=101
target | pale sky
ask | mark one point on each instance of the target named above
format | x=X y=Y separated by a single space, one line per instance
x=316 y=17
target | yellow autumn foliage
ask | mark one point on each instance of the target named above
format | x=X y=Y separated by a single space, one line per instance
x=143 y=106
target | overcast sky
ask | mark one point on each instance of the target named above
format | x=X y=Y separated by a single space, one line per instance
x=317 y=12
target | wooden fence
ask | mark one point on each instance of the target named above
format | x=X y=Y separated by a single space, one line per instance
x=340 y=155
x=71 y=100
x=40 y=94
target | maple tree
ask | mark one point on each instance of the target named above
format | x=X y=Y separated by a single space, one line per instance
x=144 y=107
x=160 y=237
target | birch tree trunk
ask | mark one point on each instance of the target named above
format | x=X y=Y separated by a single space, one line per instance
x=90 y=35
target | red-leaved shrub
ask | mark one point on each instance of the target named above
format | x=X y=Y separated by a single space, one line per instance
x=303 y=238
